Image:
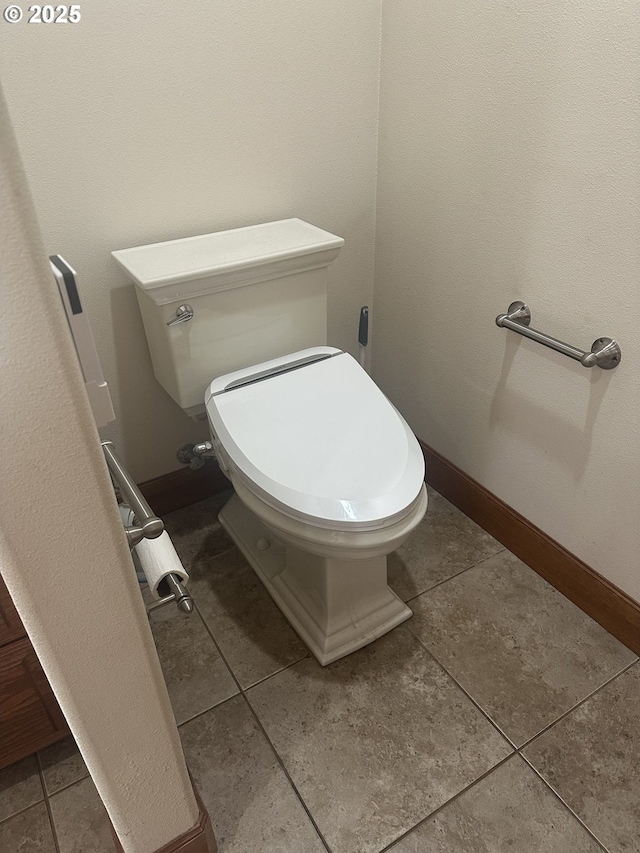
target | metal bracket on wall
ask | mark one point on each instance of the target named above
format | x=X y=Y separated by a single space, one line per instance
x=605 y=352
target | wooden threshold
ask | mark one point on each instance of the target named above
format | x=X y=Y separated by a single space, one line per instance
x=590 y=591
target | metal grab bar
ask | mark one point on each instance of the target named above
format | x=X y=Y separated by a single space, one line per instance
x=150 y=526
x=605 y=352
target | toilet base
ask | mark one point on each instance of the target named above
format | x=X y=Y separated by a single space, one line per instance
x=336 y=606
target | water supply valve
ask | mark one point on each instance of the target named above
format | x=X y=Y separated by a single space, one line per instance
x=195 y=455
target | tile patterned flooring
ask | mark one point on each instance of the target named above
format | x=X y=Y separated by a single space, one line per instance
x=499 y=718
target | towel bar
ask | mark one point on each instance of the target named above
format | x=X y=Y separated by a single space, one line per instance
x=605 y=352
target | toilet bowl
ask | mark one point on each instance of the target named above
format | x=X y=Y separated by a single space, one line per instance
x=329 y=479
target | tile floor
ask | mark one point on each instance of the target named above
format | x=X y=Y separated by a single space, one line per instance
x=499 y=718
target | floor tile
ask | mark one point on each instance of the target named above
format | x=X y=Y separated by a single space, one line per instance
x=591 y=758
x=20 y=787
x=252 y=633
x=196 y=676
x=62 y=765
x=376 y=741
x=522 y=650
x=249 y=799
x=509 y=811
x=28 y=832
x=443 y=544
x=196 y=532
x=80 y=819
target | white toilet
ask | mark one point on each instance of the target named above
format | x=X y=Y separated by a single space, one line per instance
x=328 y=477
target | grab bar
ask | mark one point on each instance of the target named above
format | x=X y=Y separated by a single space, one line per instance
x=605 y=352
x=150 y=527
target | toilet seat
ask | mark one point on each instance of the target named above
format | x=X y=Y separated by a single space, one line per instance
x=313 y=436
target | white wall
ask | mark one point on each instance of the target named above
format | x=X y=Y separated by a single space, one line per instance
x=153 y=121
x=508 y=169
x=63 y=555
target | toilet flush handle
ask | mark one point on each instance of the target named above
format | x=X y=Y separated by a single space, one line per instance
x=184 y=313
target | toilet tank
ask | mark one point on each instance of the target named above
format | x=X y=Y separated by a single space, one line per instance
x=256 y=293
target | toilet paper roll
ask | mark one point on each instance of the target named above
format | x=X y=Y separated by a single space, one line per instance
x=158 y=558
x=129 y=520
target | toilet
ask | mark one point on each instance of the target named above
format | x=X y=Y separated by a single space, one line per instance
x=328 y=478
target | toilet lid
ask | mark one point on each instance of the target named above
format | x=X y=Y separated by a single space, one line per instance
x=320 y=442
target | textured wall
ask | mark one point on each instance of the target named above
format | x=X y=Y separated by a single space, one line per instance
x=508 y=169
x=62 y=553
x=149 y=122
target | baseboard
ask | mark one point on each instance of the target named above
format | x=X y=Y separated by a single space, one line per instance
x=603 y=601
x=184 y=487
x=199 y=839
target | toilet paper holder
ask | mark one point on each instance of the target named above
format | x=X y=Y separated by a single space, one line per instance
x=177 y=593
x=149 y=526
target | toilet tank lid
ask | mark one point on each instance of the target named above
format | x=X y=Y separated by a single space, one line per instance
x=176 y=268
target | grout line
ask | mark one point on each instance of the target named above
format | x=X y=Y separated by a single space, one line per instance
x=47 y=804
x=261 y=727
x=565 y=804
x=217 y=648
x=49 y=794
x=519 y=750
x=40 y=774
x=450 y=800
x=550 y=725
x=285 y=771
x=20 y=811
x=220 y=652
x=64 y=787
x=515 y=750
x=271 y=675
x=45 y=795
x=455 y=575
x=241 y=689
x=54 y=832
x=576 y=706
x=211 y=708
x=503 y=734
x=477 y=782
